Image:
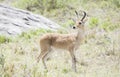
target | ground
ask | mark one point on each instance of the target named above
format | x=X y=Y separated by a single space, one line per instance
x=98 y=55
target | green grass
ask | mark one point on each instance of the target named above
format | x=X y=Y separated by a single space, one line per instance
x=4 y=39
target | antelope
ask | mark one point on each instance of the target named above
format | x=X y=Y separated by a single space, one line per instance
x=69 y=42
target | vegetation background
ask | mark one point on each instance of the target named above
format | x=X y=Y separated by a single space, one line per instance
x=98 y=56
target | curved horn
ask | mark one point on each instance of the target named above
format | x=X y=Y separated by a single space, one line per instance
x=83 y=16
x=76 y=13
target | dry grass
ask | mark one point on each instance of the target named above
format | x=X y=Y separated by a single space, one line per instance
x=99 y=57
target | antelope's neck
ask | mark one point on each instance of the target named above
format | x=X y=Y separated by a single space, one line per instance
x=80 y=35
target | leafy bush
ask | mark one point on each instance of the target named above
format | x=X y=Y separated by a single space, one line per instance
x=1 y=0
x=42 y=5
x=105 y=25
x=26 y=35
x=4 y=39
x=65 y=70
x=25 y=4
x=117 y=3
x=93 y=22
x=109 y=26
x=104 y=4
x=110 y=3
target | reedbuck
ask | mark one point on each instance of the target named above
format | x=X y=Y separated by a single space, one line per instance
x=69 y=42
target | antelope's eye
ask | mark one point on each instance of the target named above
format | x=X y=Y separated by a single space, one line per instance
x=80 y=23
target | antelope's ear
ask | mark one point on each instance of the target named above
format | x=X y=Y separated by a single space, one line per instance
x=77 y=14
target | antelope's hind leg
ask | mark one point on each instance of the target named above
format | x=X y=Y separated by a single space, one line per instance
x=43 y=55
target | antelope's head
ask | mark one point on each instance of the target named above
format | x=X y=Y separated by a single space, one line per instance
x=79 y=23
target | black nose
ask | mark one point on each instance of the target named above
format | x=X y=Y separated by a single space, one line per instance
x=74 y=27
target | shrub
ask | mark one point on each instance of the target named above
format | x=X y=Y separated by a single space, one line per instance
x=65 y=70
x=42 y=5
x=25 y=35
x=93 y=22
x=4 y=39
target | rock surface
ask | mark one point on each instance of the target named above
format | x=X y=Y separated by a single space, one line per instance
x=14 y=21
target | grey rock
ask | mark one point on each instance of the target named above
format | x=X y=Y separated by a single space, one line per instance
x=15 y=21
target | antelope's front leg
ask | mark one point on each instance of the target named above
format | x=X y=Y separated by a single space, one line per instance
x=73 y=60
